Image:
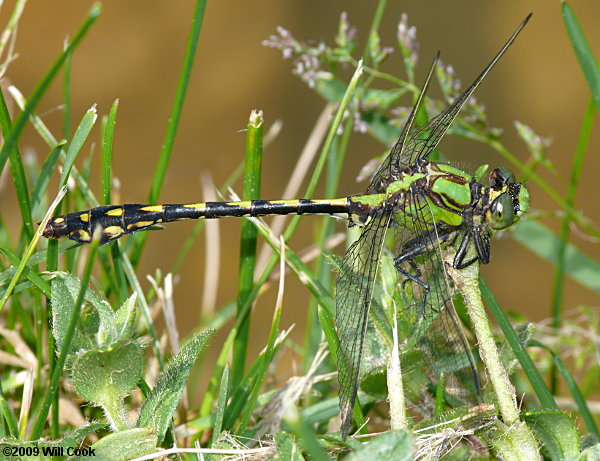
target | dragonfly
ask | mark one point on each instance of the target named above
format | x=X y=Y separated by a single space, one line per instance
x=425 y=206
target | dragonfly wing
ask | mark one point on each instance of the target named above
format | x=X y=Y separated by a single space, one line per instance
x=354 y=289
x=427 y=297
x=419 y=142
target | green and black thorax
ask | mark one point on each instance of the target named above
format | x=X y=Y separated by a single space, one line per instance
x=457 y=203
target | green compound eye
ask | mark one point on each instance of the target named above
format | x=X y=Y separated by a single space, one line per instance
x=501 y=177
x=503 y=212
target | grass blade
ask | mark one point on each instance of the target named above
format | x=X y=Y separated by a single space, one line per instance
x=221 y=405
x=41 y=184
x=173 y=121
x=9 y=417
x=269 y=353
x=584 y=54
x=557 y=288
x=108 y=132
x=17 y=171
x=540 y=388
x=11 y=138
x=248 y=233
x=30 y=250
x=51 y=141
x=79 y=138
x=573 y=388
x=106 y=154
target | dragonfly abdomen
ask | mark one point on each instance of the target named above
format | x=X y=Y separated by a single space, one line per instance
x=115 y=221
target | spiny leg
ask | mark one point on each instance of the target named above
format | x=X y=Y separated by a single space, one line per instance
x=417 y=247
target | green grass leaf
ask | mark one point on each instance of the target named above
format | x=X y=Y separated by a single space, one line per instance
x=11 y=138
x=582 y=49
x=540 y=388
x=79 y=138
x=248 y=234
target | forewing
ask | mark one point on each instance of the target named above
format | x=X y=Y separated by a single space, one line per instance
x=427 y=297
x=353 y=292
x=418 y=142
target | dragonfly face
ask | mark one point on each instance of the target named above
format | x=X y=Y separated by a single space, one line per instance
x=509 y=199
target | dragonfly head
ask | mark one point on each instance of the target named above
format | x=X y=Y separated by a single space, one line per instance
x=509 y=199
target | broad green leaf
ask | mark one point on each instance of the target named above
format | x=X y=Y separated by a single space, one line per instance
x=381 y=99
x=106 y=376
x=124 y=445
x=375 y=382
x=556 y=432
x=96 y=312
x=287 y=449
x=125 y=319
x=157 y=411
x=76 y=438
x=397 y=445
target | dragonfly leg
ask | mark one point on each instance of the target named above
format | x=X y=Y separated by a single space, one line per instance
x=482 y=245
x=417 y=247
x=459 y=259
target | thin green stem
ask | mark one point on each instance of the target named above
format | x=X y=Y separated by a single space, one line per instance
x=173 y=121
x=377 y=17
x=576 y=169
x=10 y=141
x=269 y=352
x=67 y=97
x=248 y=233
x=467 y=282
x=18 y=172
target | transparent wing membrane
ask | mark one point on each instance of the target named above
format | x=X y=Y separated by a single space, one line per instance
x=417 y=143
x=353 y=292
x=427 y=297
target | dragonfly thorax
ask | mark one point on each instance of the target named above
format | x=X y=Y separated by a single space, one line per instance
x=452 y=196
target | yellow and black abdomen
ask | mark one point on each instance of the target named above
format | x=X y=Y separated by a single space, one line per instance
x=114 y=221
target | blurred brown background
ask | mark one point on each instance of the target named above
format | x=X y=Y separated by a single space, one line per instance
x=134 y=53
